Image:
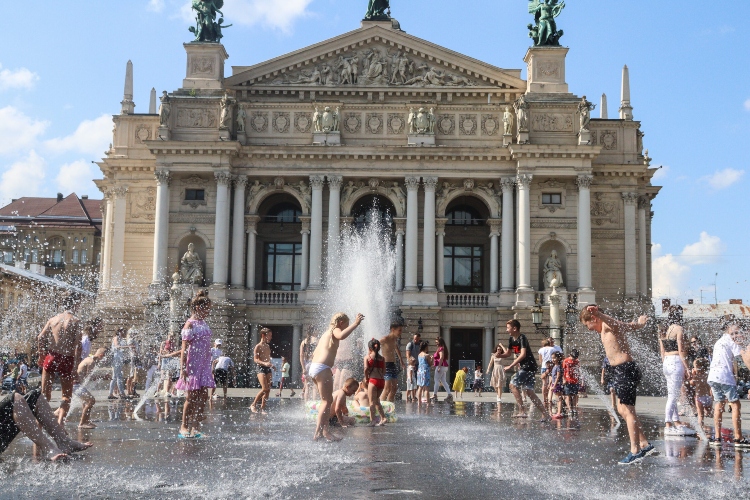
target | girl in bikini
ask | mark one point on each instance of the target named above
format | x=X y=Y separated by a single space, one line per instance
x=374 y=374
x=320 y=368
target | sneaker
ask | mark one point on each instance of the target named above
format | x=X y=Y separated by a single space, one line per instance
x=631 y=458
x=557 y=416
x=741 y=443
x=112 y=397
x=712 y=441
x=448 y=398
x=686 y=431
x=648 y=450
x=292 y=394
x=672 y=431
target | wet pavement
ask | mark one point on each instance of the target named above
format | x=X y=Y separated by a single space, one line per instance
x=468 y=450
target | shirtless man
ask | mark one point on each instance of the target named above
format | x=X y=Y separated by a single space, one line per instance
x=390 y=351
x=625 y=374
x=306 y=349
x=320 y=368
x=85 y=369
x=262 y=358
x=59 y=349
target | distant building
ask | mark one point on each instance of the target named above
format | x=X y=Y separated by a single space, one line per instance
x=54 y=237
x=704 y=320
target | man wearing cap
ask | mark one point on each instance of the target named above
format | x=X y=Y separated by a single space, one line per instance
x=216 y=353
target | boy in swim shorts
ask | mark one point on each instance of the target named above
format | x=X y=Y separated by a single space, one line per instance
x=625 y=374
x=85 y=369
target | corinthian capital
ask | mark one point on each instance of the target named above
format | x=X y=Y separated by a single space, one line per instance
x=240 y=181
x=334 y=182
x=412 y=183
x=524 y=180
x=630 y=198
x=223 y=178
x=119 y=191
x=317 y=181
x=162 y=177
x=584 y=181
x=430 y=183
x=508 y=184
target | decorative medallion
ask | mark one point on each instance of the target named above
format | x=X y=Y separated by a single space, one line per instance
x=396 y=124
x=142 y=133
x=447 y=124
x=302 y=123
x=375 y=123
x=549 y=69
x=353 y=123
x=259 y=121
x=609 y=139
x=281 y=122
x=468 y=124
x=490 y=124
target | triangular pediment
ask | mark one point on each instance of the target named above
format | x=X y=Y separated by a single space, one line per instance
x=375 y=57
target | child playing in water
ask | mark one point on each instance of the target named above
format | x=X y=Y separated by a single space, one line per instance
x=340 y=412
x=85 y=369
x=411 y=380
x=546 y=377
x=320 y=368
x=478 y=380
x=375 y=376
x=361 y=397
x=571 y=381
x=459 y=383
x=699 y=383
x=423 y=374
x=555 y=384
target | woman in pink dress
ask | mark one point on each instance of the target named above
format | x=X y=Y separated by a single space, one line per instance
x=195 y=366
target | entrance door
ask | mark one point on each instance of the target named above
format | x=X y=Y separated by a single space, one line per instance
x=466 y=345
x=281 y=344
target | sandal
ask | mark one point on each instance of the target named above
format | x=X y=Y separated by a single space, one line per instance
x=741 y=443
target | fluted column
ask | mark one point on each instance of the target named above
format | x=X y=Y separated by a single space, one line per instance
x=584 y=232
x=221 y=229
x=161 y=226
x=316 y=232
x=630 y=200
x=428 y=259
x=400 y=231
x=494 y=255
x=118 y=237
x=238 y=231
x=508 y=255
x=412 y=233
x=305 y=253
x=643 y=205
x=524 y=232
x=252 y=232
x=107 y=237
x=440 y=252
x=334 y=219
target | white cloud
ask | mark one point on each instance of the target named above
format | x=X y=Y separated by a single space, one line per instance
x=76 y=177
x=21 y=78
x=155 y=5
x=23 y=178
x=91 y=137
x=278 y=15
x=671 y=273
x=18 y=131
x=724 y=178
x=662 y=173
x=747 y=105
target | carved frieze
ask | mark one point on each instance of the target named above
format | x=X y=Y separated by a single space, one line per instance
x=608 y=139
x=553 y=223
x=490 y=124
x=281 y=122
x=143 y=204
x=551 y=122
x=193 y=218
x=259 y=121
x=194 y=180
x=302 y=123
x=447 y=124
x=603 y=210
x=139 y=228
x=396 y=124
x=374 y=123
x=197 y=118
x=468 y=124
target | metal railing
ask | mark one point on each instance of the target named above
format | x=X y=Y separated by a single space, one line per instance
x=276 y=298
x=467 y=300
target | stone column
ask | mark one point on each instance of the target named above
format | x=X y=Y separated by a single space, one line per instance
x=221 y=229
x=334 y=216
x=107 y=237
x=400 y=230
x=643 y=206
x=295 y=375
x=252 y=232
x=494 y=255
x=446 y=334
x=524 y=232
x=238 y=231
x=440 y=252
x=428 y=257
x=118 y=237
x=584 y=232
x=316 y=232
x=305 y=252
x=508 y=256
x=630 y=200
x=488 y=349
x=161 y=227
x=412 y=232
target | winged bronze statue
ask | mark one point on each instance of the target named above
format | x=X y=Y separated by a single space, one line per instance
x=545 y=31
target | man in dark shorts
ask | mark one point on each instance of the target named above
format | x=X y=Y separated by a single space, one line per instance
x=625 y=374
x=223 y=367
x=32 y=415
x=262 y=358
x=394 y=360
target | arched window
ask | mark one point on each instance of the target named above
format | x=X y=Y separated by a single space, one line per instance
x=283 y=212
x=463 y=215
x=373 y=208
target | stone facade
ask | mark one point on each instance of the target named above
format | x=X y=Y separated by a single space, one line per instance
x=466 y=157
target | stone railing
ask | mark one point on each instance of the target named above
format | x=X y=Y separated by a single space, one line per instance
x=467 y=300
x=276 y=298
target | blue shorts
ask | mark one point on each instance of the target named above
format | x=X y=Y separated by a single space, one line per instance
x=724 y=392
x=524 y=380
x=570 y=389
x=391 y=371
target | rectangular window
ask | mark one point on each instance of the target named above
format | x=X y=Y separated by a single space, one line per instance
x=551 y=199
x=26 y=255
x=58 y=256
x=283 y=269
x=35 y=255
x=98 y=259
x=8 y=257
x=84 y=256
x=463 y=269
x=75 y=256
x=195 y=194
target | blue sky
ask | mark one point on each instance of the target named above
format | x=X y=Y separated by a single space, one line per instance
x=61 y=79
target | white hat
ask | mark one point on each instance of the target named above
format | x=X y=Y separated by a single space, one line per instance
x=217 y=342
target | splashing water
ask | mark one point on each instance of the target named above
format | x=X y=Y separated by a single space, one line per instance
x=593 y=386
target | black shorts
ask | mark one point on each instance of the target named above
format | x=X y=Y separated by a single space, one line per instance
x=8 y=429
x=265 y=370
x=392 y=369
x=221 y=377
x=570 y=389
x=625 y=380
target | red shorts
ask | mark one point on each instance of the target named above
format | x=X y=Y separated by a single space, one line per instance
x=64 y=366
x=378 y=382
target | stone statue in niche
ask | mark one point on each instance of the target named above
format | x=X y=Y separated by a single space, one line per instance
x=241 y=116
x=522 y=112
x=165 y=108
x=507 y=121
x=328 y=121
x=584 y=108
x=191 y=267
x=553 y=270
x=225 y=118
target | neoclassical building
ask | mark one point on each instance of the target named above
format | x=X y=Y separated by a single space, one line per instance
x=492 y=185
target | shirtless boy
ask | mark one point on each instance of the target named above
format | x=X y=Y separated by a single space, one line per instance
x=625 y=374
x=86 y=368
x=262 y=358
x=59 y=349
x=340 y=412
x=320 y=368
x=390 y=351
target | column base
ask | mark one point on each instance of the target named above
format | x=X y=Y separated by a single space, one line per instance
x=507 y=298
x=420 y=299
x=524 y=297
x=586 y=296
x=159 y=291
